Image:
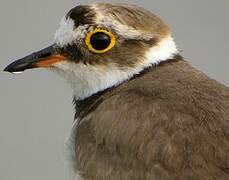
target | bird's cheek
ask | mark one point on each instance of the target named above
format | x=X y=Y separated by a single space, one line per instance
x=64 y=65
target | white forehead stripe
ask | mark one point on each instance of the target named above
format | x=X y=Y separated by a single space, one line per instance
x=67 y=33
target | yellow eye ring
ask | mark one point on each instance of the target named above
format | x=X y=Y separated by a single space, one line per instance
x=100 y=40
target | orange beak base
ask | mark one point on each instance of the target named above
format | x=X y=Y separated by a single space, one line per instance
x=43 y=58
x=47 y=62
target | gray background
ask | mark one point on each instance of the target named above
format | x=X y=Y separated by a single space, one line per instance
x=35 y=107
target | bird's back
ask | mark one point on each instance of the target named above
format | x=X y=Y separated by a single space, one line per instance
x=170 y=122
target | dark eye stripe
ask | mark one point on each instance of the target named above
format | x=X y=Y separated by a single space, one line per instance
x=100 y=41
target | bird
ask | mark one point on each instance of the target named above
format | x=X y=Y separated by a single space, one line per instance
x=142 y=112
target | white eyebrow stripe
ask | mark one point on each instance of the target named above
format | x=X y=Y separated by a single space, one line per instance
x=125 y=31
x=121 y=29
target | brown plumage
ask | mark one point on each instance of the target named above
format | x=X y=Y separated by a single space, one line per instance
x=142 y=112
x=169 y=123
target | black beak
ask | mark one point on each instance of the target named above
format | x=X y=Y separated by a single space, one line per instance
x=43 y=58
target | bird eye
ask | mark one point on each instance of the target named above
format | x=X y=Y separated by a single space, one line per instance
x=100 y=41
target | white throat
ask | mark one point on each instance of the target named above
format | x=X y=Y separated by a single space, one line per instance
x=87 y=80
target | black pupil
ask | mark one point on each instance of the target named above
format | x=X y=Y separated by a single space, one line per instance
x=100 y=41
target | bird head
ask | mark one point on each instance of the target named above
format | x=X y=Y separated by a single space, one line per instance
x=102 y=45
